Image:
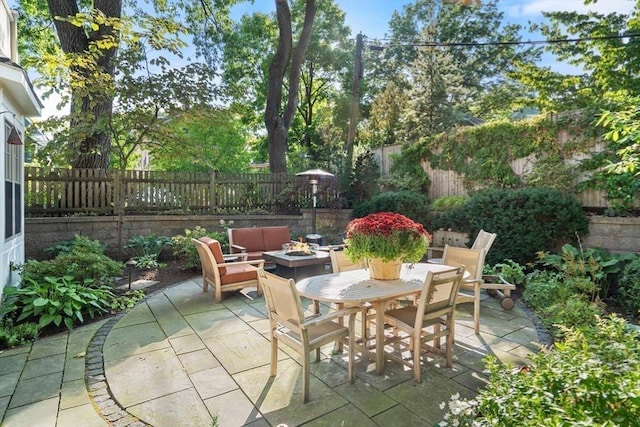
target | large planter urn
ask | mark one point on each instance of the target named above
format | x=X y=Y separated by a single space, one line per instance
x=384 y=270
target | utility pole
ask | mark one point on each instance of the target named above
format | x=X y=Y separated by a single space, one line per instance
x=355 y=99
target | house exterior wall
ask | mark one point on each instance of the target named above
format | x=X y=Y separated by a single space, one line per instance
x=17 y=101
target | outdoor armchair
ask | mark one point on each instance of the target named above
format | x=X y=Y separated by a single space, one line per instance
x=225 y=276
x=288 y=324
x=429 y=320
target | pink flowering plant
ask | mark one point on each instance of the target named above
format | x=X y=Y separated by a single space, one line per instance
x=386 y=235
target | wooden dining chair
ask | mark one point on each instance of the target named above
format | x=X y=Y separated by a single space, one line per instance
x=225 y=276
x=288 y=324
x=341 y=262
x=473 y=260
x=484 y=240
x=428 y=321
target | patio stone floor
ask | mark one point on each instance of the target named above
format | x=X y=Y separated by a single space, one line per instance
x=180 y=359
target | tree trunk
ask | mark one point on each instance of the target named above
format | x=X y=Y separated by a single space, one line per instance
x=277 y=123
x=93 y=110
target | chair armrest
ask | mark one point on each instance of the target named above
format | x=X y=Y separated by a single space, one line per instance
x=258 y=262
x=316 y=320
x=237 y=248
x=238 y=256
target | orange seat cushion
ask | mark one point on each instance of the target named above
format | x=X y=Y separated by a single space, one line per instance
x=239 y=273
x=216 y=250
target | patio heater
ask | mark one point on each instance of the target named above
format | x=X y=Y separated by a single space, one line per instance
x=314 y=176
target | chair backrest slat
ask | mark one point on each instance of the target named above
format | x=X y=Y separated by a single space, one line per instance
x=472 y=259
x=439 y=294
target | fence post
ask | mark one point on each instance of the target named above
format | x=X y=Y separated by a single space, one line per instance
x=117 y=200
x=212 y=193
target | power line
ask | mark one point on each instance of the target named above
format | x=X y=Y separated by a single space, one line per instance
x=502 y=43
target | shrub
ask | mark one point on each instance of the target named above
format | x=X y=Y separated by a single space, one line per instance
x=590 y=379
x=526 y=220
x=79 y=244
x=81 y=266
x=183 y=247
x=14 y=335
x=57 y=300
x=595 y=263
x=573 y=311
x=542 y=290
x=407 y=203
x=628 y=295
x=147 y=249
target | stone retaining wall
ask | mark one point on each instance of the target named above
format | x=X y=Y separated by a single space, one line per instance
x=615 y=234
x=41 y=233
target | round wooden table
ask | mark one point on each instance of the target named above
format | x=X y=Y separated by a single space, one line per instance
x=355 y=287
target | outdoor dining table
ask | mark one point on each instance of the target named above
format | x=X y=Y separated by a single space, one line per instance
x=355 y=287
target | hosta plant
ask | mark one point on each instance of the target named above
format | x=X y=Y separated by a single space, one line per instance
x=57 y=300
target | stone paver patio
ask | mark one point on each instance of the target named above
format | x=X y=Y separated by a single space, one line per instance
x=180 y=359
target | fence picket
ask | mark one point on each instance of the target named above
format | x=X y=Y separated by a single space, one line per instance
x=67 y=191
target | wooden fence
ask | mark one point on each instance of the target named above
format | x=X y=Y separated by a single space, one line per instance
x=62 y=192
x=449 y=183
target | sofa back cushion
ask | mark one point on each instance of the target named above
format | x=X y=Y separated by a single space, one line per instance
x=275 y=237
x=250 y=238
x=216 y=250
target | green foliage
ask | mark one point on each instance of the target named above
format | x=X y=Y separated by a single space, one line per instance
x=570 y=294
x=484 y=68
x=127 y=300
x=608 y=62
x=359 y=184
x=595 y=263
x=552 y=172
x=445 y=203
x=510 y=271
x=406 y=174
x=526 y=220
x=82 y=266
x=183 y=247
x=388 y=236
x=81 y=257
x=628 y=294
x=203 y=140
x=543 y=289
x=79 y=244
x=14 y=335
x=407 y=203
x=57 y=300
x=147 y=249
x=590 y=379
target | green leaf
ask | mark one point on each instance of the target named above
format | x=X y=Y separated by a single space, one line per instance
x=40 y=302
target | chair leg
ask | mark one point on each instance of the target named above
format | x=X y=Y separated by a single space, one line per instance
x=449 y=344
x=476 y=308
x=305 y=377
x=274 y=357
x=416 y=357
x=205 y=285
x=351 y=343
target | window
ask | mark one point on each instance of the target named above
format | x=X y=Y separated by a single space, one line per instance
x=12 y=186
